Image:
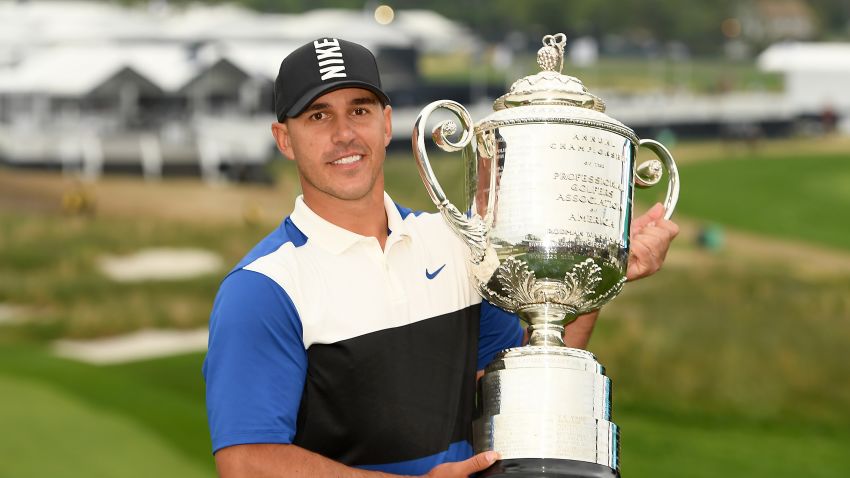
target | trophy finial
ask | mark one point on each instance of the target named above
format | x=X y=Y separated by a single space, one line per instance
x=549 y=86
x=551 y=56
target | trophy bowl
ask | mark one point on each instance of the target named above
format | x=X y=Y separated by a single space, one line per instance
x=549 y=196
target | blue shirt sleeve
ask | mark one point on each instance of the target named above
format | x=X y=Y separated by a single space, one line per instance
x=256 y=363
x=498 y=331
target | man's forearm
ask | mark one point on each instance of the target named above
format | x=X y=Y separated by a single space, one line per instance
x=283 y=461
x=577 y=333
x=290 y=461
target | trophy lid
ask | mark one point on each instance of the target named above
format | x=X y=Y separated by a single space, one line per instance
x=550 y=87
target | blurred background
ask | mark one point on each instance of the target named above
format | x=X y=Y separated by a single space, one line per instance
x=137 y=166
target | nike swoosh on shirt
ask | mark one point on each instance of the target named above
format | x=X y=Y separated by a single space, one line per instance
x=431 y=275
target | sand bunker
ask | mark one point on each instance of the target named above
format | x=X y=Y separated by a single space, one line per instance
x=11 y=314
x=160 y=264
x=142 y=345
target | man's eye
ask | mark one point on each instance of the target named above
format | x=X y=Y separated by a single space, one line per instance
x=360 y=111
x=317 y=116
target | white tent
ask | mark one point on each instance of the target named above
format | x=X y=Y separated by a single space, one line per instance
x=794 y=56
x=816 y=74
x=435 y=33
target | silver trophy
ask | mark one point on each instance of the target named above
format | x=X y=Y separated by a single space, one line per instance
x=550 y=181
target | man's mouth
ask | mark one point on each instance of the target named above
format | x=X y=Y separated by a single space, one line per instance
x=348 y=159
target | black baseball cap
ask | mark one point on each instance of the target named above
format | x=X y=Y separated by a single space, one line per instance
x=320 y=67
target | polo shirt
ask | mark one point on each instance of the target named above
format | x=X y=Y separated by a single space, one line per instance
x=321 y=339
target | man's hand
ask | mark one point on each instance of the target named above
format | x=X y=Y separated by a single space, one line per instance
x=650 y=235
x=462 y=469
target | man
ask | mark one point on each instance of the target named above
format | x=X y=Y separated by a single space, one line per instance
x=347 y=342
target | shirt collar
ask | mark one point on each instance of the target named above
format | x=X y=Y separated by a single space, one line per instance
x=337 y=240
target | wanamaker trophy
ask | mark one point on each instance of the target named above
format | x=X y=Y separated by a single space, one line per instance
x=549 y=192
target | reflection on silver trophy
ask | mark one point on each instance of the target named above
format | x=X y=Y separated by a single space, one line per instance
x=550 y=181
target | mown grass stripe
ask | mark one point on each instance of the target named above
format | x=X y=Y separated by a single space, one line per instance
x=175 y=414
x=50 y=432
x=804 y=197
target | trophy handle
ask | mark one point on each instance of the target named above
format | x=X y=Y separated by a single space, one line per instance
x=470 y=228
x=649 y=174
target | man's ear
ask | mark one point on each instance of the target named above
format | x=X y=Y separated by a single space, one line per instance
x=280 y=131
x=388 y=125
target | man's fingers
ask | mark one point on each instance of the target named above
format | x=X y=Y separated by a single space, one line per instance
x=649 y=249
x=641 y=261
x=462 y=469
x=650 y=240
x=655 y=213
x=671 y=227
x=480 y=461
x=665 y=230
x=653 y=244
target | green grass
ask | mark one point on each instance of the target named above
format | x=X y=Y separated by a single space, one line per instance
x=724 y=369
x=666 y=445
x=757 y=343
x=46 y=427
x=795 y=196
x=144 y=419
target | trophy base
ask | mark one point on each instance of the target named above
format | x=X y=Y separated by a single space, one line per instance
x=547 y=468
x=547 y=411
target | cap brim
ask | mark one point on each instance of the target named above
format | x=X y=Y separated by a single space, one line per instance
x=307 y=98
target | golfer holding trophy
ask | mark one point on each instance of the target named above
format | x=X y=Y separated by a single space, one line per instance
x=550 y=181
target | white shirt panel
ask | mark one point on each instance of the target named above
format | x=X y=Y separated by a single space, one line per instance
x=371 y=289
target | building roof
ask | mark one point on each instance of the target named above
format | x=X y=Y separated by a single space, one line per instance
x=77 y=70
x=257 y=59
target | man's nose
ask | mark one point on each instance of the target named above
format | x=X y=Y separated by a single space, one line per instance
x=343 y=131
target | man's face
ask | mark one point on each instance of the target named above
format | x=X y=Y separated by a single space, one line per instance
x=339 y=144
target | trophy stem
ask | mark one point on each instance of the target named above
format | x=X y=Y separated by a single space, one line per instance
x=547 y=335
x=545 y=323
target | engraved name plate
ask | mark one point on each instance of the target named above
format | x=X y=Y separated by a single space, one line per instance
x=553 y=436
x=564 y=185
